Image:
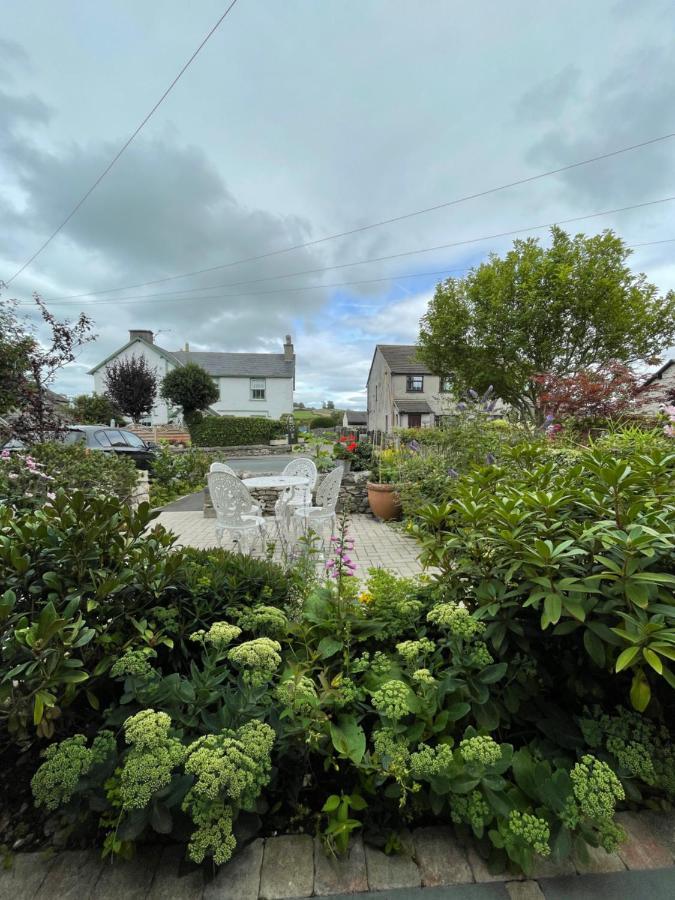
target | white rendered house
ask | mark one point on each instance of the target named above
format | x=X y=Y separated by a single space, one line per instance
x=250 y=384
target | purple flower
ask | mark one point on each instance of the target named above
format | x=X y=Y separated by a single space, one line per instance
x=461 y=407
x=5 y=454
x=453 y=473
x=490 y=459
x=414 y=446
x=473 y=394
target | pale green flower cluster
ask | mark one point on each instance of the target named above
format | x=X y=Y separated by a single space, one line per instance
x=642 y=748
x=391 y=750
x=134 y=662
x=596 y=788
x=266 y=620
x=378 y=664
x=482 y=749
x=633 y=757
x=611 y=836
x=257 y=659
x=411 y=651
x=229 y=768
x=65 y=764
x=393 y=601
x=221 y=634
x=149 y=765
x=391 y=700
x=479 y=655
x=455 y=619
x=429 y=762
x=531 y=829
x=423 y=676
x=298 y=694
x=471 y=809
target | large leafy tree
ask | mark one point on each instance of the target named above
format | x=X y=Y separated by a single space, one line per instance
x=131 y=384
x=573 y=306
x=191 y=388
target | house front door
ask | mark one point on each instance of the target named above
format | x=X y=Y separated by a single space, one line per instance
x=414 y=420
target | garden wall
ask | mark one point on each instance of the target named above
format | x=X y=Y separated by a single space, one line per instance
x=243 y=450
x=352 y=492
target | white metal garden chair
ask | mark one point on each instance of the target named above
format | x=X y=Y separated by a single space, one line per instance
x=317 y=518
x=232 y=504
x=256 y=508
x=300 y=494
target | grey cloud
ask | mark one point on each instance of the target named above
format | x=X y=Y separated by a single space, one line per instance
x=549 y=98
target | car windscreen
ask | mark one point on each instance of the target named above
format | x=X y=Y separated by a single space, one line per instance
x=102 y=439
x=74 y=437
x=133 y=439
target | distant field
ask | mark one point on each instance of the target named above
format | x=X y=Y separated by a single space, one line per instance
x=304 y=415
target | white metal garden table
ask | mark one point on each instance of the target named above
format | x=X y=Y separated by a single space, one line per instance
x=284 y=512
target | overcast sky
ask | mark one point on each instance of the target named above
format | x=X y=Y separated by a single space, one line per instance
x=302 y=118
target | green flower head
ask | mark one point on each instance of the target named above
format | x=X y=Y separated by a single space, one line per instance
x=220 y=634
x=299 y=694
x=480 y=749
x=265 y=620
x=455 y=619
x=411 y=651
x=423 y=676
x=147 y=729
x=135 y=663
x=65 y=764
x=531 y=829
x=429 y=762
x=257 y=659
x=391 y=700
x=596 y=788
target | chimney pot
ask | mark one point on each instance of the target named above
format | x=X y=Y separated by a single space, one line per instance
x=187 y=347
x=289 y=353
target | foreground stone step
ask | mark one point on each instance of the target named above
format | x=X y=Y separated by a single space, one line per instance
x=240 y=878
x=287 y=867
x=340 y=876
x=643 y=849
x=440 y=858
x=23 y=879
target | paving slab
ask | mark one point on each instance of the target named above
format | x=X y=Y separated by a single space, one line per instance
x=654 y=884
x=642 y=849
x=239 y=879
x=25 y=876
x=545 y=867
x=337 y=875
x=440 y=858
x=131 y=879
x=599 y=861
x=524 y=890
x=663 y=825
x=450 y=892
x=73 y=875
x=176 y=879
x=386 y=872
x=287 y=867
x=480 y=870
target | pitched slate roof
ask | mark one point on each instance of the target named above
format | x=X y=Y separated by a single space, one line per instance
x=412 y=406
x=355 y=417
x=660 y=372
x=253 y=365
x=402 y=359
x=246 y=365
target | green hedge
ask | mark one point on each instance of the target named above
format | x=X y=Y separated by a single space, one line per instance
x=229 y=431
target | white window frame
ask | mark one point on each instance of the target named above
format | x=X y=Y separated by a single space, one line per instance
x=258 y=385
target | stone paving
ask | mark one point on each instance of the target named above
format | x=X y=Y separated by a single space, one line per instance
x=290 y=867
x=376 y=544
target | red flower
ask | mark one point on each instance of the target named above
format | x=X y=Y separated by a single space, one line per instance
x=351 y=447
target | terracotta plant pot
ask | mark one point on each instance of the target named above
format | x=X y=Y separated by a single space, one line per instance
x=384 y=501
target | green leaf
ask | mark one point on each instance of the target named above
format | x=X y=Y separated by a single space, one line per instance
x=493 y=673
x=653 y=660
x=331 y=803
x=457 y=711
x=160 y=818
x=625 y=658
x=594 y=647
x=640 y=692
x=328 y=646
x=348 y=738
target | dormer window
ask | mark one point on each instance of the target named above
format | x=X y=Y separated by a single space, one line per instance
x=415 y=384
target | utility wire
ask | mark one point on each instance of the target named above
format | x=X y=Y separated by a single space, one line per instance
x=381 y=222
x=389 y=256
x=292 y=290
x=123 y=147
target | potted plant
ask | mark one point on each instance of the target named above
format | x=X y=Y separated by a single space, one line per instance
x=383 y=497
x=344 y=451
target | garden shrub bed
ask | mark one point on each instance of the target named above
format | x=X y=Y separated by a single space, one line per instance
x=523 y=694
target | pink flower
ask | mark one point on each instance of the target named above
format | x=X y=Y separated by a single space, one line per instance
x=51 y=495
x=13 y=476
x=5 y=454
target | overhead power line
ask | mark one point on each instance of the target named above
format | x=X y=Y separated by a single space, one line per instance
x=389 y=256
x=124 y=146
x=293 y=290
x=381 y=222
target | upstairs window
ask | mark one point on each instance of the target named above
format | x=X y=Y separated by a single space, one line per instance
x=415 y=384
x=445 y=384
x=257 y=388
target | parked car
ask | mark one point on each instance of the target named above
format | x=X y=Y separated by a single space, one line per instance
x=111 y=440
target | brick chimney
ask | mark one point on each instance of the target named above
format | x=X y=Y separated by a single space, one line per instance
x=289 y=353
x=140 y=333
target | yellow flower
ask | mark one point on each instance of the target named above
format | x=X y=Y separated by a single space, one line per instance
x=365 y=597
